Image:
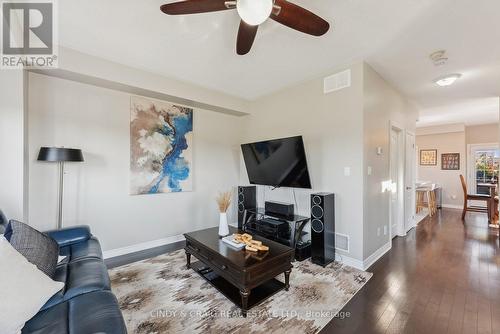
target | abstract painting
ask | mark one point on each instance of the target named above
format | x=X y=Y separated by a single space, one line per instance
x=160 y=147
x=450 y=161
x=428 y=157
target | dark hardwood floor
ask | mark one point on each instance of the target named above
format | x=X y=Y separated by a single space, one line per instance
x=444 y=277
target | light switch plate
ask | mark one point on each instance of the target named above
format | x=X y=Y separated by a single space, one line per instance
x=369 y=170
x=347 y=171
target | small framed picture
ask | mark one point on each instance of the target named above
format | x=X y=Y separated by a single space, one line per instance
x=450 y=161
x=428 y=157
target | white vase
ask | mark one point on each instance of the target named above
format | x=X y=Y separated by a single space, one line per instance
x=223 y=227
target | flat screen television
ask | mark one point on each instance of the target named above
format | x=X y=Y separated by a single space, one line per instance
x=278 y=163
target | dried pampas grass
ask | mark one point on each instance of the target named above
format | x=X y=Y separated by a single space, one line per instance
x=224 y=200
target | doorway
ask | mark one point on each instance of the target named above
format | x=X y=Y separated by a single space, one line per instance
x=483 y=165
x=397 y=165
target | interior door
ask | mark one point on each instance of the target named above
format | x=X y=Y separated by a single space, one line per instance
x=395 y=182
x=410 y=177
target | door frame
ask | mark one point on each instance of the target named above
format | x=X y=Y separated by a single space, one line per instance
x=411 y=160
x=471 y=180
x=400 y=230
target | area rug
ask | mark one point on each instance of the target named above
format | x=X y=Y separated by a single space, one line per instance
x=160 y=295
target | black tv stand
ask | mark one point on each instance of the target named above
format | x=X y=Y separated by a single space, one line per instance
x=296 y=223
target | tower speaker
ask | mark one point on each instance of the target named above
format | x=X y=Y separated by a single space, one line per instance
x=247 y=199
x=322 y=228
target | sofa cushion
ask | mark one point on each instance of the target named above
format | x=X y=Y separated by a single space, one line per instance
x=38 y=248
x=70 y=235
x=80 y=277
x=82 y=250
x=85 y=276
x=95 y=312
x=52 y=320
x=3 y=222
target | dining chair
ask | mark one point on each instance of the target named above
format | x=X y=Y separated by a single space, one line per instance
x=475 y=197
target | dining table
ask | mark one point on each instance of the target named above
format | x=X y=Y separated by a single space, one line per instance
x=492 y=191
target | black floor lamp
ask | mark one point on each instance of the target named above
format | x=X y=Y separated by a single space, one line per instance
x=60 y=155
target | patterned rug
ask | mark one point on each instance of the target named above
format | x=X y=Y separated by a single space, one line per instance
x=160 y=295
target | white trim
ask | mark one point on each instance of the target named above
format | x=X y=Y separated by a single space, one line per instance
x=432 y=130
x=409 y=228
x=349 y=261
x=401 y=179
x=452 y=206
x=142 y=246
x=470 y=166
x=376 y=255
x=365 y=264
x=410 y=171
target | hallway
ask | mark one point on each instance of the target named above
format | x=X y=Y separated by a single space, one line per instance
x=444 y=277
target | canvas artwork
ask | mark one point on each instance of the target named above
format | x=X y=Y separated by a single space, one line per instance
x=161 y=147
x=450 y=161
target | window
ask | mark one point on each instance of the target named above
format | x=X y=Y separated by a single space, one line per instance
x=486 y=169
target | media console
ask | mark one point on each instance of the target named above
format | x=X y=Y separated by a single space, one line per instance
x=287 y=230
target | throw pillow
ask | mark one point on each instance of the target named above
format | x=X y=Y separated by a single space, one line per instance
x=24 y=289
x=3 y=222
x=38 y=248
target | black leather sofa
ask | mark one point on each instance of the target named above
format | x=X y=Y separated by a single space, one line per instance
x=86 y=304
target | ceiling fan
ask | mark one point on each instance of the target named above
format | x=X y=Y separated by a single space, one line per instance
x=253 y=13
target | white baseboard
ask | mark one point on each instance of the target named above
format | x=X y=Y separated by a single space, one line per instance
x=142 y=246
x=349 y=261
x=452 y=206
x=376 y=255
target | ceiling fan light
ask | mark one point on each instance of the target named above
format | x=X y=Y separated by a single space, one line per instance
x=447 y=80
x=254 y=12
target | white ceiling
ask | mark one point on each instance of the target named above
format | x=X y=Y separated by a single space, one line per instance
x=394 y=36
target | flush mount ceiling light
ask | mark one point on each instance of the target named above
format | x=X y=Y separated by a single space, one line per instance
x=447 y=80
x=254 y=12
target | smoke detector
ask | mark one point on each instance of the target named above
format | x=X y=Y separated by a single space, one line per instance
x=439 y=57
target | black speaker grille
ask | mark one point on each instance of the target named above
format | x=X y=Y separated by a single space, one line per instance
x=316 y=200
x=317 y=225
x=317 y=211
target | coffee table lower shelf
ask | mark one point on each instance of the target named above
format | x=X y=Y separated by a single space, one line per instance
x=257 y=295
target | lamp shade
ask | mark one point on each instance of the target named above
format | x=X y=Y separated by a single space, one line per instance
x=56 y=154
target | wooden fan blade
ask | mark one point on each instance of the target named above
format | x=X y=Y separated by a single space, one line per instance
x=300 y=19
x=193 y=7
x=246 y=36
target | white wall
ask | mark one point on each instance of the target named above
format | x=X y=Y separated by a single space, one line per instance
x=332 y=128
x=66 y=113
x=451 y=142
x=481 y=134
x=452 y=139
x=382 y=105
x=74 y=61
x=11 y=143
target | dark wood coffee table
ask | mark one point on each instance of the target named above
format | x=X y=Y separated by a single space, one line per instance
x=244 y=277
